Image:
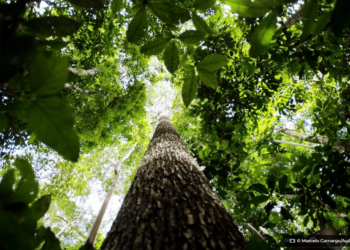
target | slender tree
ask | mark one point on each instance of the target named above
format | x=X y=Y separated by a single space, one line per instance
x=94 y=230
x=170 y=204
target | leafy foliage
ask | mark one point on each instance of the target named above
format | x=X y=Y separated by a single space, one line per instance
x=19 y=228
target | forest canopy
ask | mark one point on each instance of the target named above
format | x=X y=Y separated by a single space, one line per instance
x=258 y=91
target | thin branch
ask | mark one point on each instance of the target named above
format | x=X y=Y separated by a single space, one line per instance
x=336 y=144
x=251 y=228
x=70 y=86
x=94 y=230
x=295 y=144
x=84 y=72
x=61 y=218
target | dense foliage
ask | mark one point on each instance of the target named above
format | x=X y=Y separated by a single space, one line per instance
x=262 y=102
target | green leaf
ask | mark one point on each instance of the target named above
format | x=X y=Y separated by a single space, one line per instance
x=189 y=89
x=7 y=182
x=259 y=188
x=203 y=5
x=41 y=206
x=310 y=12
x=298 y=167
x=51 y=45
x=88 y=4
x=208 y=78
x=27 y=188
x=247 y=8
x=257 y=244
x=86 y=246
x=51 y=242
x=156 y=46
x=259 y=199
x=138 y=26
x=306 y=220
x=303 y=159
x=192 y=37
x=340 y=16
x=3 y=122
x=212 y=62
x=47 y=75
x=263 y=34
x=52 y=122
x=117 y=5
x=282 y=183
x=169 y=13
x=171 y=57
x=274 y=3
x=53 y=26
x=201 y=25
x=322 y=23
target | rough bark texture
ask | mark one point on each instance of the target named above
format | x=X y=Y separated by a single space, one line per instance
x=170 y=204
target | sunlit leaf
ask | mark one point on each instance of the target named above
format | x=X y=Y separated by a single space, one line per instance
x=192 y=37
x=117 y=5
x=138 y=26
x=156 y=46
x=247 y=8
x=53 y=26
x=263 y=34
x=212 y=62
x=201 y=25
x=52 y=122
x=189 y=88
x=169 y=13
x=208 y=78
x=203 y=5
x=171 y=57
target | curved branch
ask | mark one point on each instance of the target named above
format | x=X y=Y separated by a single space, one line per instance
x=70 y=86
x=84 y=72
x=251 y=228
x=295 y=144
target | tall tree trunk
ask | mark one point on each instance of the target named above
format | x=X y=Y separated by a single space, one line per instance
x=170 y=204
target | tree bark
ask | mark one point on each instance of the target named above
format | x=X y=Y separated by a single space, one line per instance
x=170 y=204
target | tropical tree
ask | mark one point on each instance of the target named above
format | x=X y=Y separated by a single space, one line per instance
x=170 y=203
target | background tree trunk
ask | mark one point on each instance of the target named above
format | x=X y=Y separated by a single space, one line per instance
x=170 y=204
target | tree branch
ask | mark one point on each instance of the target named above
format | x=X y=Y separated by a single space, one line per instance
x=84 y=72
x=295 y=144
x=251 y=228
x=70 y=86
x=336 y=144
